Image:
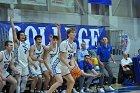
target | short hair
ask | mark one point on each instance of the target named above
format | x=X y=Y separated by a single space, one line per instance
x=18 y=34
x=55 y=37
x=86 y=55
x=7 y=42
x=70 y=30
x=37 y=36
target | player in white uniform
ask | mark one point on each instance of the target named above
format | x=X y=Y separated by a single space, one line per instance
x=61 y=64
x=37 y=53
x=6 y=59
x=21 y=57
x=53 y=50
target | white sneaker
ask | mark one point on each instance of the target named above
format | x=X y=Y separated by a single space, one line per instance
x=75 y=91
x=111 y=88
x=101 y=90
x=64 y=91
x=82 y=91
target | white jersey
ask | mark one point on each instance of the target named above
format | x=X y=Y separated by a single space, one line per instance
x=6 y=59
x=52 y=54
x=68 y=48
x=38 y=53
x=21 y=54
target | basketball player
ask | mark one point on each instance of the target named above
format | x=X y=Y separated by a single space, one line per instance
x=60 y=64
x=21 y=57
x=54 y=50
x=6 y=59
x=36 y=54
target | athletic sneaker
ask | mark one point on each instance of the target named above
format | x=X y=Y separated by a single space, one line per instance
x=75 y=91
x=64 y=91
x=82 y=91
x=111 y=88
x=102 y=90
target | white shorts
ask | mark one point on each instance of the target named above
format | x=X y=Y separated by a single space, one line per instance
x=35 y=72
x=24 y=71
x=57 y=68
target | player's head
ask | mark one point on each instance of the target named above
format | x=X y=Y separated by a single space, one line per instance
x=55 y=39
x=125 y=55
x=83 y=45
x=9 y=45
x=86 y=58
x=71 y=33
x=38 y=39
x=21 y=36
x=105 y=40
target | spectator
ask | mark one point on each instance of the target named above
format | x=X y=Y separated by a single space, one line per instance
x=87 y=72
x=82 y=52
x=125 y=62
x=104 y=53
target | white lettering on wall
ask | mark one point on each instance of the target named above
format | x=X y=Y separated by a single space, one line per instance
x=42 y=31
x=94 y=38
x=27 y=30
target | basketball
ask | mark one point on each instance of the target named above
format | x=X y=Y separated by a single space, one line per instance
x=75 y=72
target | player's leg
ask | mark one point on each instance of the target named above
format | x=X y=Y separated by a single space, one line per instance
x=34 y=75
x=47 y=80
x=24 y=78
x=18 y=78
x=13 y=83
x=70 y=83
x=59 y=81
x=39 y=84
x=1 y=84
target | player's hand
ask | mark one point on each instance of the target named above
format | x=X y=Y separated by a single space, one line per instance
x=17 y=73
x=99 y=75
x=57 y=25
x=50 y=71
x=70 y=67
x=11 y=18
x=101 y=63
x=4 y=79
x=35 y=66
x=40 y=60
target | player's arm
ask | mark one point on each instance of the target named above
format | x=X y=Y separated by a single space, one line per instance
x=63 y=60
x=12 y=66
x=31 y=54
x=73 y=62
x=86 y=74
x=14 y=32
x=45 y=54
x=59 y=34
x=51 y=44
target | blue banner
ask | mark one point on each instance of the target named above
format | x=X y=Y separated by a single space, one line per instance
x=90 y=34
x=105 y=2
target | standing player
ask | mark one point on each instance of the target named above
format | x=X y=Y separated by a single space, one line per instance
x=60 y=64
x=21 y=57
x=6 y=59
x=36 y=54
